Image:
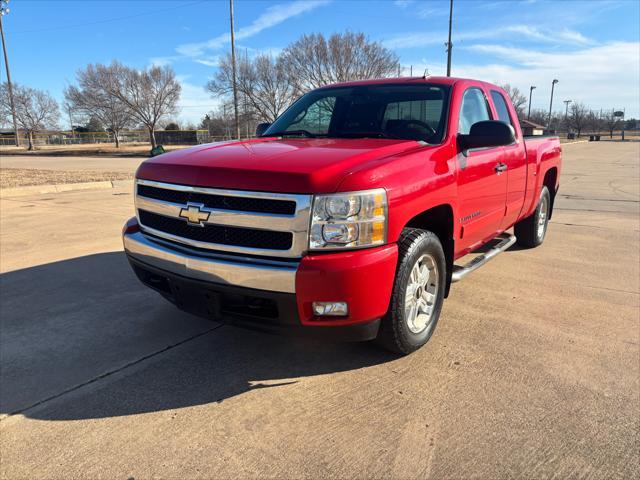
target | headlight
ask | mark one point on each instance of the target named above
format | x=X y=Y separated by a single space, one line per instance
x=349 y=220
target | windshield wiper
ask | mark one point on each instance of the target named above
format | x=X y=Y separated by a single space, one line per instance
x=286 y=133
x=367 y=135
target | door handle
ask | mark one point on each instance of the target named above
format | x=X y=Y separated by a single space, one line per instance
x=500 y=167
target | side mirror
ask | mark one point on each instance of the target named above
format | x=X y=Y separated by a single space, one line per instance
x=261 y=128
x=488 y=133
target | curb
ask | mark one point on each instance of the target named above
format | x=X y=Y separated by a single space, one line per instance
x=62 y=187
x=572 y=143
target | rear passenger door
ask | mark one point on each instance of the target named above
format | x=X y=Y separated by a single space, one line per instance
x=514 y=157
x=481 y=188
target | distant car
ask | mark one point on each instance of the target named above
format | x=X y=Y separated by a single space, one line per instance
x=345 y=216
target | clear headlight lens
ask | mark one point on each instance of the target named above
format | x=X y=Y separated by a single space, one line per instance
x=349 y=220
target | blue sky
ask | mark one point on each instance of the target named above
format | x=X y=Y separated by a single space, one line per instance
x=591 y=46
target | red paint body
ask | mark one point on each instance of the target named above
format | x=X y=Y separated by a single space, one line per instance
x=417 y=178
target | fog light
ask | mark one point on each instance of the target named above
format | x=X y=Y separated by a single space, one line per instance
x=336 y=309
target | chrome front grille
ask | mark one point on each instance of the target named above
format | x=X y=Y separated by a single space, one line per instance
x=253 y=223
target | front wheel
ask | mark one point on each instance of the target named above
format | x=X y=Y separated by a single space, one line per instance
x=531 y=231
x=418 y=292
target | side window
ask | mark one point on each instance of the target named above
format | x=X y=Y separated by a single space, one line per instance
x=474 y=109
x=316 y=118
x=501 y=107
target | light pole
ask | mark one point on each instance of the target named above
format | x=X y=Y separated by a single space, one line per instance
x=531 y=89
x=553 y=84
x=449 y=44
x=566 y=113
x=3 y=11
x=566 y=108
x=233 y=69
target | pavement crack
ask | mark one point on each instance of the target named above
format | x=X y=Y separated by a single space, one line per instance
x=618 y=290
x=577 y=197
x=580 y=225
x=108 y=374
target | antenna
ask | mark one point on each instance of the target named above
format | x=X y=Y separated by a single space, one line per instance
x=426 y=73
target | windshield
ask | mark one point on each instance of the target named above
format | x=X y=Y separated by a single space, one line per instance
x=412 y=112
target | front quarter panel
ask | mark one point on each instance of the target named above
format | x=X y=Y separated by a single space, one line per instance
x=415 y=182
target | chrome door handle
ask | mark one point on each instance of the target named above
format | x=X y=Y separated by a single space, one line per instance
x=499 y=168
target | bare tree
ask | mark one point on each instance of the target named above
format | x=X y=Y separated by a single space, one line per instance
x=93 y=98
x=313 y=61
x=265 y=86
x=578 y=117
x=539 y=116
x=518 y=99
x=36 y=110
x=611 y=122
x=150 y=94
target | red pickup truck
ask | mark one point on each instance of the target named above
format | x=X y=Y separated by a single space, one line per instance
x=347 y=215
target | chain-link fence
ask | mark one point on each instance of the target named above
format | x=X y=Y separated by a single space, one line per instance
x=163 y=137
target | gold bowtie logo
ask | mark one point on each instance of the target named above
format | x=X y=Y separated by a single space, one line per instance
x=194 y=214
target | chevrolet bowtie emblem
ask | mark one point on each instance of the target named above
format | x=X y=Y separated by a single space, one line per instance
x=194 y=215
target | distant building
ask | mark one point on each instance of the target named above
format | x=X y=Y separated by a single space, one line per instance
x=530 y=128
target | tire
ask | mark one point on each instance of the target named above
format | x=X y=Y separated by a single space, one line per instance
x=531 y=231
x=401 y=331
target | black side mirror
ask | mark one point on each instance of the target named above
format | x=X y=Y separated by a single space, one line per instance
x=261 y=128
x=488 y=133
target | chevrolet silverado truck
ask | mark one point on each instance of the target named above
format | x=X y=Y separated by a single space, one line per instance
x=348 y=215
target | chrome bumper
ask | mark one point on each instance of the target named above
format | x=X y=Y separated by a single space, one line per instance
x=262 y=276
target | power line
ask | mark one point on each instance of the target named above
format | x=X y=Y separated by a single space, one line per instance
x=106 y=20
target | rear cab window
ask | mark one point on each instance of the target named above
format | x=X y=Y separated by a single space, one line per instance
x=501 y=107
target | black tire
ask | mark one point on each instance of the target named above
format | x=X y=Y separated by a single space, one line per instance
x=395 y=332
x=527 y=231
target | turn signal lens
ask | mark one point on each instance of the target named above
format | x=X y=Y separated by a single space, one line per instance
x=131 y=226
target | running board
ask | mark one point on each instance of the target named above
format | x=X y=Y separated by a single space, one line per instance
x=505 y=241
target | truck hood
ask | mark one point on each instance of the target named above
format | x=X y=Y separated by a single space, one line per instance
x=307 y=165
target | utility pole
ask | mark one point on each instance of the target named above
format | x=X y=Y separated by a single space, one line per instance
x=233 y=70
x=449 y=44
x=553 y=84
x=246 y=108
x=3 y=11
x=531 y=89
x=73 y=133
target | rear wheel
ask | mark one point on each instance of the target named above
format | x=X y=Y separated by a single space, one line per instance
x=531 y=231
x=418 y=292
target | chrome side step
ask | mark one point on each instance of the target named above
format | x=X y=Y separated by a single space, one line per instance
x=505 y=241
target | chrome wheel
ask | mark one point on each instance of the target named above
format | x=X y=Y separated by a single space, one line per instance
x=542 y=216
x=421 y=292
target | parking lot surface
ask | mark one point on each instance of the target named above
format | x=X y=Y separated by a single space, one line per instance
x=532 y=372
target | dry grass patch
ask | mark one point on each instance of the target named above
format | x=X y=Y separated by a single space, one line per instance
x=22 y=177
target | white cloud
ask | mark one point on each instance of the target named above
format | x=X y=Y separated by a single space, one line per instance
x=163 y=61
x=603 y=76
x=195 y=101
x=512 y=32
x=211 y=61
x=274 y=15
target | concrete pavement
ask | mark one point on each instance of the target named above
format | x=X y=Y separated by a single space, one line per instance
x=532 y=372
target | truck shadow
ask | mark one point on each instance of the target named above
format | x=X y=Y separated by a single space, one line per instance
x=82 y=338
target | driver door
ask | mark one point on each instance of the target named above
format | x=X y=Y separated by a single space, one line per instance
x=482 y=188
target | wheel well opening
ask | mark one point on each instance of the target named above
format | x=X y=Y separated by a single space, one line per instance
x=549 y=181
x=439 y=220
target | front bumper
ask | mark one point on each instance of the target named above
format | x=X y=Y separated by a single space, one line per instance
x=264 y=275
x=270 y=295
